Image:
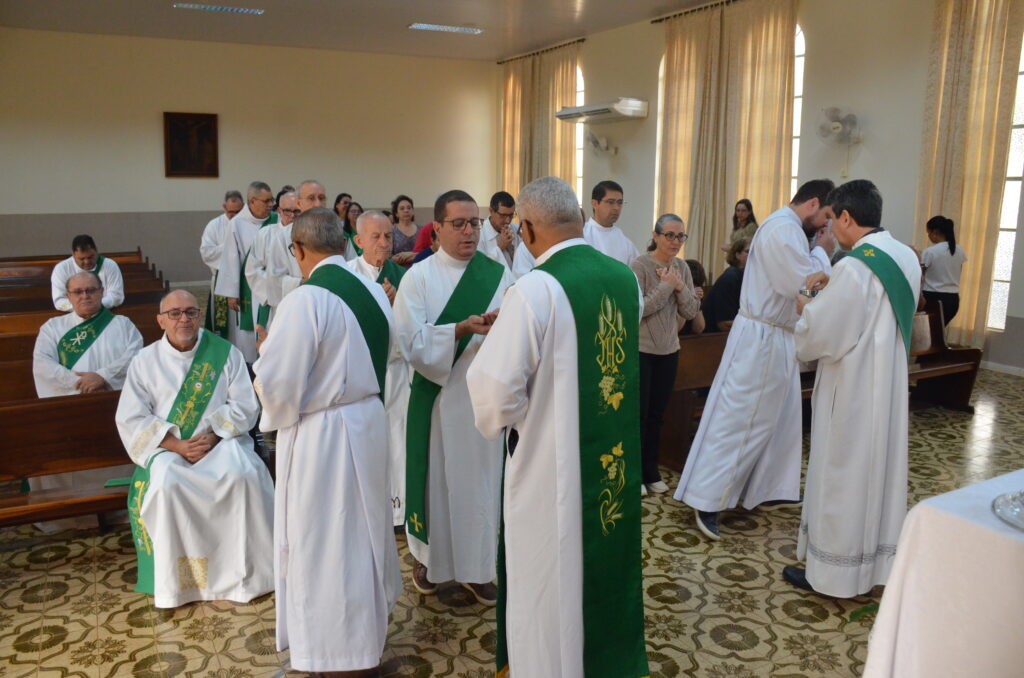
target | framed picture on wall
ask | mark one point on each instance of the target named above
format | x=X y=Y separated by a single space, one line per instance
x=190 y=145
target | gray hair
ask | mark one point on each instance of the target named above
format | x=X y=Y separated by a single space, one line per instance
x=552 y=202
x=659 y=227
x=255 y=188
x=99 y=283
x=370 y=214
x=233 y=195
x=319 y=230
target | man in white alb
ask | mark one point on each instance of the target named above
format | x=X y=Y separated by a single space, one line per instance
x=858 y=329
x=270 y=269
x=210 y=248
x=231 y=280
x=320 y=376
x=600 y=230
x=84 y=257
x=374 y=237
x=444 y=306
x=84 y=351
x=498 y=235
x=748 y=446
x=200 y=501
x=560 y=370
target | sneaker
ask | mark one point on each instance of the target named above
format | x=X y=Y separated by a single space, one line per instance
x=485 y=594
x=657 y=488
x=707 y=522
x=643 y=490
x=420 y=581
x=780 y=503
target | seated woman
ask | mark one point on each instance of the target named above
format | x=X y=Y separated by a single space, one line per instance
x=404 y=231
x=723 y=301
x=942 y=263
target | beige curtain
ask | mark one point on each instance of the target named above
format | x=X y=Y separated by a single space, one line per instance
x=533 y=142
x=728 y=118
x=972 y=77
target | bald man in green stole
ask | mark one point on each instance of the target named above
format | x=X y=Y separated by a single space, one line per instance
x=559 y=374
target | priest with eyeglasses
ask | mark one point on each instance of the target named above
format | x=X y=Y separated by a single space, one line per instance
x=200 y=500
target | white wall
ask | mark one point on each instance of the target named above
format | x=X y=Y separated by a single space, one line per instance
x=81 y=122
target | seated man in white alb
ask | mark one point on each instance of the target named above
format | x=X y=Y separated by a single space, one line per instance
x=201 y=501
x=84 y=351
x=84 y=257
x=270 y=268
x=374 y=236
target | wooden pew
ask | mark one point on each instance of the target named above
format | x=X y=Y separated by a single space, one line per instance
x=16 y=381
x=39 y=274
x=944 y=375
x=119 y=257
x=18 y=330
x=40 y=304
x=36 y=443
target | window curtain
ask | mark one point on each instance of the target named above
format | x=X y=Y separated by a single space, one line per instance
x=727 y=118
x=533 y=142
x=972 y=77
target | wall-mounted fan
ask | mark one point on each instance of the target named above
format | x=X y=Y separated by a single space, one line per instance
x=840 y=130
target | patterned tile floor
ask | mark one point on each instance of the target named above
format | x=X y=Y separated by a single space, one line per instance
x=714 y=610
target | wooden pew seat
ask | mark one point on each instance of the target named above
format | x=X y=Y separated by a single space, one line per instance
x=16 y=381
x=119 y=257
x=60 y=435
x=18 y=331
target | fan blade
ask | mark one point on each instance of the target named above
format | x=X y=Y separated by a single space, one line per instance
x=824 y=130
x=832 y=113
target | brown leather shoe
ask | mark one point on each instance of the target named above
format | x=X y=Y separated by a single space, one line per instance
x=420 y=581
x=485 y=594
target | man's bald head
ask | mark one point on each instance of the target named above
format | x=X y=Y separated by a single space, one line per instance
x=372 y=218
x=83 y=279
x=85 y=292
x=374 y=236
x=311 y=194
x=178 y=299
x=183 y=330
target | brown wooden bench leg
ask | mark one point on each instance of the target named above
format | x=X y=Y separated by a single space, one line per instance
x=950 y=390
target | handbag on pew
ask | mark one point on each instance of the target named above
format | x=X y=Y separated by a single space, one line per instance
x=920 y=334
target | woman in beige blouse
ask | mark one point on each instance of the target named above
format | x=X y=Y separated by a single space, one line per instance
x=669 y=301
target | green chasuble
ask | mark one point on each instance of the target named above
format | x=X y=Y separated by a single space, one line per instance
x=186 y=413
x=372 y=321
x=605 y=305
x=79 y=338
x=392 y=271
x=900 y=294
x=471 y=296
x=245 y=317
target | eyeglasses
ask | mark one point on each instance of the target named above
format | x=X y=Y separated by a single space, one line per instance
x=505 y=217
x=268 y=201
x=460 y=224
x=291 y=246
x=294 y=212
x=678 y=237
x=176 y=313
x=85 y=292
x=611 y=201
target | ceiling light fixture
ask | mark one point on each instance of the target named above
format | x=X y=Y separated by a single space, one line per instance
x=217 y=8
x=447 y=29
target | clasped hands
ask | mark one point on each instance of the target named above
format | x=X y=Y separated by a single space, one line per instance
x=193 y=449
x=90 y=382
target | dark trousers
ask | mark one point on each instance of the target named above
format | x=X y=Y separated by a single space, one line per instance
x=950 y=303
x=657 y=374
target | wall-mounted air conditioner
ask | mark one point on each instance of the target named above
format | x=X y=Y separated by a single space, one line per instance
x=624 y=108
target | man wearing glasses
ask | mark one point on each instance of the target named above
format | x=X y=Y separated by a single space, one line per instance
x=499 y=236
x=231 y=280
x=200 y=501
x=270 y=268
x=84 y=351
x=600 y=230
x=445 y=305
x=210 y=248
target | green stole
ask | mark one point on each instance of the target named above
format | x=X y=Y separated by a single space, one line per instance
x=605 y=306
x=900 y=294
x=471 y=296
x=217 y=312
x=372 y=321
x=392 y=271
x=245 y=317
x=79 y=338
x=99 y=264
x=351 y=235
x=186 y=412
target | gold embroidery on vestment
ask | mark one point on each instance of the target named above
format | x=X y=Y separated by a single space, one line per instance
x=192 y=573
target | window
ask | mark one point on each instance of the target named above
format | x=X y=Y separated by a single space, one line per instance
x=1010 y=215
x=798 y=102
x=580 y=136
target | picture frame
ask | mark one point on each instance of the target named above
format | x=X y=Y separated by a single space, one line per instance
x=190 y=145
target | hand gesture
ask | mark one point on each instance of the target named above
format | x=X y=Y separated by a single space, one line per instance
x=670 y=275
x=505 y=239
x=826 y=240
x=475 y=324
x=90 y=382
x=403 y=258
x=816 y=281
x=261 y=336
x=699 y=293
x=233 y=304
x=389 y=290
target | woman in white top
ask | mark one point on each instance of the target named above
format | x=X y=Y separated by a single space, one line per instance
x=942 y=263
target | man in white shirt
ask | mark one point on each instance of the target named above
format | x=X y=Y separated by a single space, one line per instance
x=499 y=236
x=210 y=248
x=600 y=231
x=84 y=257
x=270 y=269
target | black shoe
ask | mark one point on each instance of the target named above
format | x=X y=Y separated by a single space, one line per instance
x=780 y=503
x=797 y=576
x=707 y=522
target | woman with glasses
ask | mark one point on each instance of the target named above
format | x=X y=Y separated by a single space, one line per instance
x=723 y=301
x=669 y=301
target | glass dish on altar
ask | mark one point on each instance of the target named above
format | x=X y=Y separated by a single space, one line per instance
x=1010 y=508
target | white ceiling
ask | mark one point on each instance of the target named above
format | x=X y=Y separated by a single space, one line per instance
x=511 y=27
